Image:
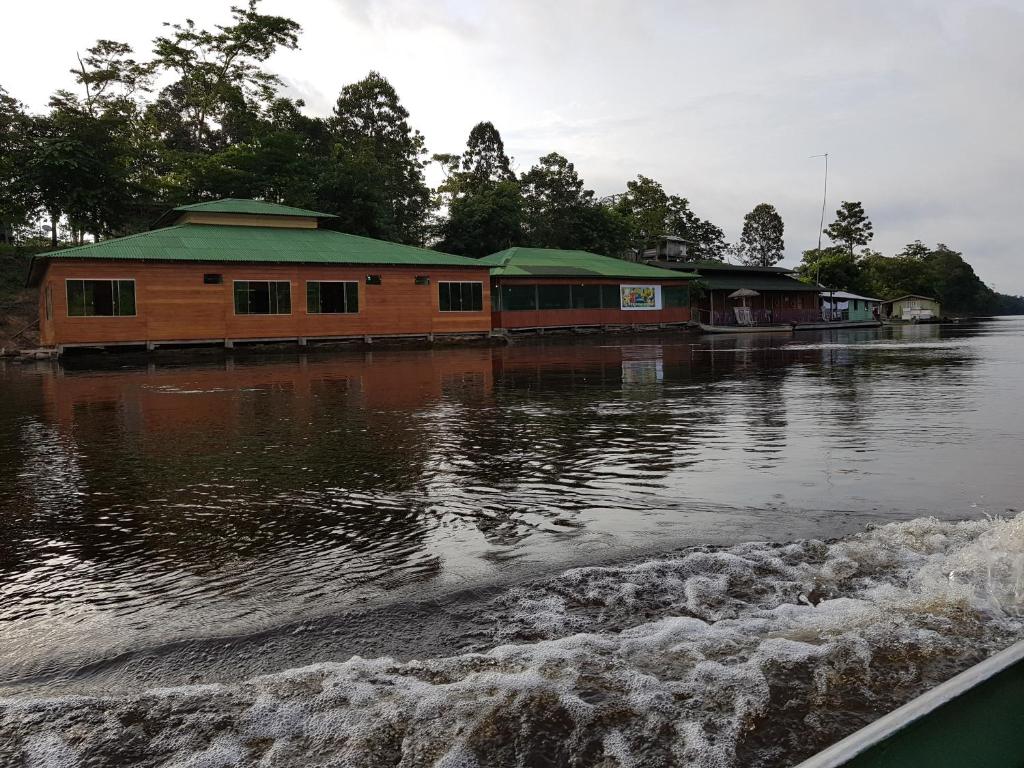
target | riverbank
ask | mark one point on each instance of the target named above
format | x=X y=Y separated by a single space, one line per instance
x=18 y=308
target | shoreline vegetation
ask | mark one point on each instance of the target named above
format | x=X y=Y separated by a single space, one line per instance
x=200 y=117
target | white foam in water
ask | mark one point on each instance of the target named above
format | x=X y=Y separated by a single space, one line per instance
x=753 y=655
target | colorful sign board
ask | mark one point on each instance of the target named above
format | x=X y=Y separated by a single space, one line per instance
x=640 y=297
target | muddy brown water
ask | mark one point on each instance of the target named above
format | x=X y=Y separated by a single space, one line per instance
x=170 y=523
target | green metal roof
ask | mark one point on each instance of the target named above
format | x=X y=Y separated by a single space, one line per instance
x=721 y=266
x=550 y=262
x=239 y=206
x=757 y=282
x=280 y=245
x=256 y=207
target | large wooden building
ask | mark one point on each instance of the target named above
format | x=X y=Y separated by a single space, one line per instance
x=538 y=288
x=242 y=270
x=764 y=295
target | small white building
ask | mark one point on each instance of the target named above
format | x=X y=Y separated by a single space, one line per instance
x=912 y=308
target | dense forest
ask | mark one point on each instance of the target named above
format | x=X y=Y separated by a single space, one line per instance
x=201 y=117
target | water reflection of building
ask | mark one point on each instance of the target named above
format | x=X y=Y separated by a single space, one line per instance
x=311 y=450
x=171 y=398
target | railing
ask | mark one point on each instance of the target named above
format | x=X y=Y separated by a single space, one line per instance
x=768 y=317
x=835 y=315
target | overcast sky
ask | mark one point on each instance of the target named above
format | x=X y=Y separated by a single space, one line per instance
x=920 y=104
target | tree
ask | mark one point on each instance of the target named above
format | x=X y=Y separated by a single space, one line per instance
x=851 y=227
x=554 y=202
x=485 y=221
x=888 y=277
x=484 y=160
x=915 y=250
x=762 y=239
x=485 y=207
x=605 y=231
x=955 y=284
x=279 y=163
x=834 y=268
x=109 y=76
x=704 y=240
x=939 y=272
x=558 y=212
x=645 y=207
x=652 y=214
x=80 y=168
x=373 y=179
x=218 y=75
x=17 y=198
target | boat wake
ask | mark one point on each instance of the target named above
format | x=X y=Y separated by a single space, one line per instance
x=756 y=654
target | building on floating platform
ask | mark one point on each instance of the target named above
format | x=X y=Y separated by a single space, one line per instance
x=912 y=309
x=842 y=306
x=541 y=288
x=243 y=270
x=740 y=296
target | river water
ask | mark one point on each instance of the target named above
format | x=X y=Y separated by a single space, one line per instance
x=600 y=550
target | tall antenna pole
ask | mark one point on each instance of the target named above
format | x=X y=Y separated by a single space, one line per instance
x=824 y=196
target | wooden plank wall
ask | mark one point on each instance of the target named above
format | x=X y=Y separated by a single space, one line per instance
x=173 y=303
x=562 y=318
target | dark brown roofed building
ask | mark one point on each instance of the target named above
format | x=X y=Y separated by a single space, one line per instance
x=780 y=299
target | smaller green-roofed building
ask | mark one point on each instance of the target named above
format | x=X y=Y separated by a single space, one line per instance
x=538 y=288
x=229 y=271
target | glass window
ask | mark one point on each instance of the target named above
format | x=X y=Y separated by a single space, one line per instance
x=460 y=297
x=422 y=280
x=263 y=297
x=675 y=296
x=610 y=297
x=49 y=302
x=213 y=279
x=517 y=297
x=101 y=298
x=373 y=280
x=586 y=297
x=554 y=297
x=332 y=297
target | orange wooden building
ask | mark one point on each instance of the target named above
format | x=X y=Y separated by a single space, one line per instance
x=537 y=288
x=242 y=270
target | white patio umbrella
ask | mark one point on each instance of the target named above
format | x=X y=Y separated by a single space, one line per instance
x=743 y=293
